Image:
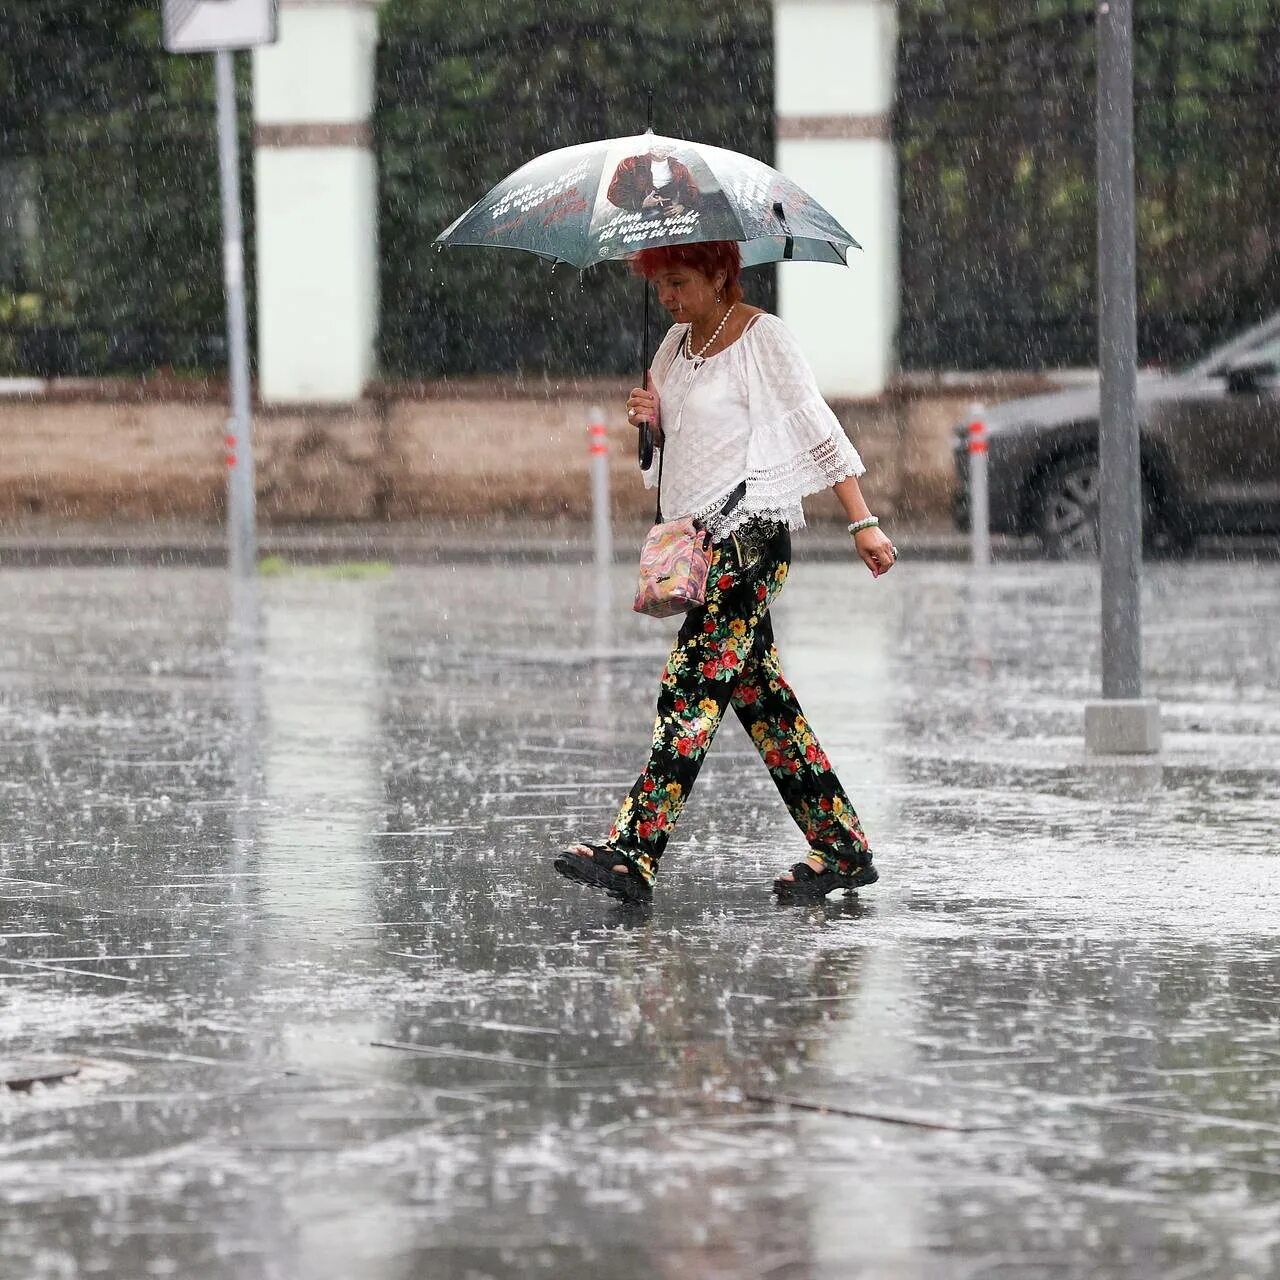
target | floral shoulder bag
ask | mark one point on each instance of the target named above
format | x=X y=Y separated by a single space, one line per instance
x=675 y=560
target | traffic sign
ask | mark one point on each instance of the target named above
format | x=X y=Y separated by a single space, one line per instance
x=202 y=26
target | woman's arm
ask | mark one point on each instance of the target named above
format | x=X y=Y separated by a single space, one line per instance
x=877 y=552
x=850 y=494
x=793 y=426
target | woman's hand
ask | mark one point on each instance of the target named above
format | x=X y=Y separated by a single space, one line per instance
x=877 y=552
x=642 y=407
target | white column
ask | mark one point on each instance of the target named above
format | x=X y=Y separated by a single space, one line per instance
x=316 y=203
x=834 y=66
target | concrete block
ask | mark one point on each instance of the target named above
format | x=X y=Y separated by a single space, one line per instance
x=1122 y=727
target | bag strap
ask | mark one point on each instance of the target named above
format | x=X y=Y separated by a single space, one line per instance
x=734 y=498
x=657 y=506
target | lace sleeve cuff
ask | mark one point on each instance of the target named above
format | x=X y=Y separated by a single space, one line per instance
x=837 y=459
x=788 y=482
x=778 y=492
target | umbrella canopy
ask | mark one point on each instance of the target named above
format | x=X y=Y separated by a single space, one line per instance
x=600 y=200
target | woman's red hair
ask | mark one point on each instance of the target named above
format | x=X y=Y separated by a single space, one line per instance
x=708 y=258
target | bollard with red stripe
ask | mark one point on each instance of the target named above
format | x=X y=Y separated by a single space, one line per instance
x=979 y=490
x=598 y=452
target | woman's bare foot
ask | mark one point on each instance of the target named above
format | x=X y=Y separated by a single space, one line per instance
x=813 y=860
x=600 y=867
x=813 y=878
x=586 y=851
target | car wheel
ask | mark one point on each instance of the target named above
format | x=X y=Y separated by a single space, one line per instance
x=1067 y=509
x=1067 y=515
x=1164 y=536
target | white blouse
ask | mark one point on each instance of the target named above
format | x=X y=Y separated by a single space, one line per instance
x=751 y=412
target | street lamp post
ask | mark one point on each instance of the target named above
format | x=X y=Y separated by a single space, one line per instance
x=1123 y=723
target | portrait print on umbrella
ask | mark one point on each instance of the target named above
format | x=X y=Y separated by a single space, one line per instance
x=662 y=194
x=743 y=436
x=654 y=184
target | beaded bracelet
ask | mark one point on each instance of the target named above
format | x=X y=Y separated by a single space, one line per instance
x=871 y=522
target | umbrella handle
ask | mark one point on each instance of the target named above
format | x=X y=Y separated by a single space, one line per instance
x=644 y=438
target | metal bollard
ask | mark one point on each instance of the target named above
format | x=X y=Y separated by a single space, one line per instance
x=602 y=527
x=979 y=492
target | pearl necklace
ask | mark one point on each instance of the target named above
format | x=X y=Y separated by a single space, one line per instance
x=697 y=357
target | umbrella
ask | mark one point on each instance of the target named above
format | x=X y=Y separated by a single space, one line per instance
x=609 y=199
x=585 y=204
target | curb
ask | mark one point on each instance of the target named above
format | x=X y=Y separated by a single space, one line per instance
x=200 y=552
x=207 y=548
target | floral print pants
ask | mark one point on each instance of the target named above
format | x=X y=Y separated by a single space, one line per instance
x=725 y=654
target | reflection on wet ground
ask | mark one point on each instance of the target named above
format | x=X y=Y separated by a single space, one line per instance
x=276 y=874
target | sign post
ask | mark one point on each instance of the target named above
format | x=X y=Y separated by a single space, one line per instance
x=220 y=27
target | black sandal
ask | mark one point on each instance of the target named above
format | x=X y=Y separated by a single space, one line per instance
x=811 y=885
x=628 y=886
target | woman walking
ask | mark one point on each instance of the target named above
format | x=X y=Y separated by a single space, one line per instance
x=744 y=436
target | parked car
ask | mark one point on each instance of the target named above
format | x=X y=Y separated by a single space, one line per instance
x=1210 y=449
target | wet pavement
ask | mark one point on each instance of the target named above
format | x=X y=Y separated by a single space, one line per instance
x=279 y=890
